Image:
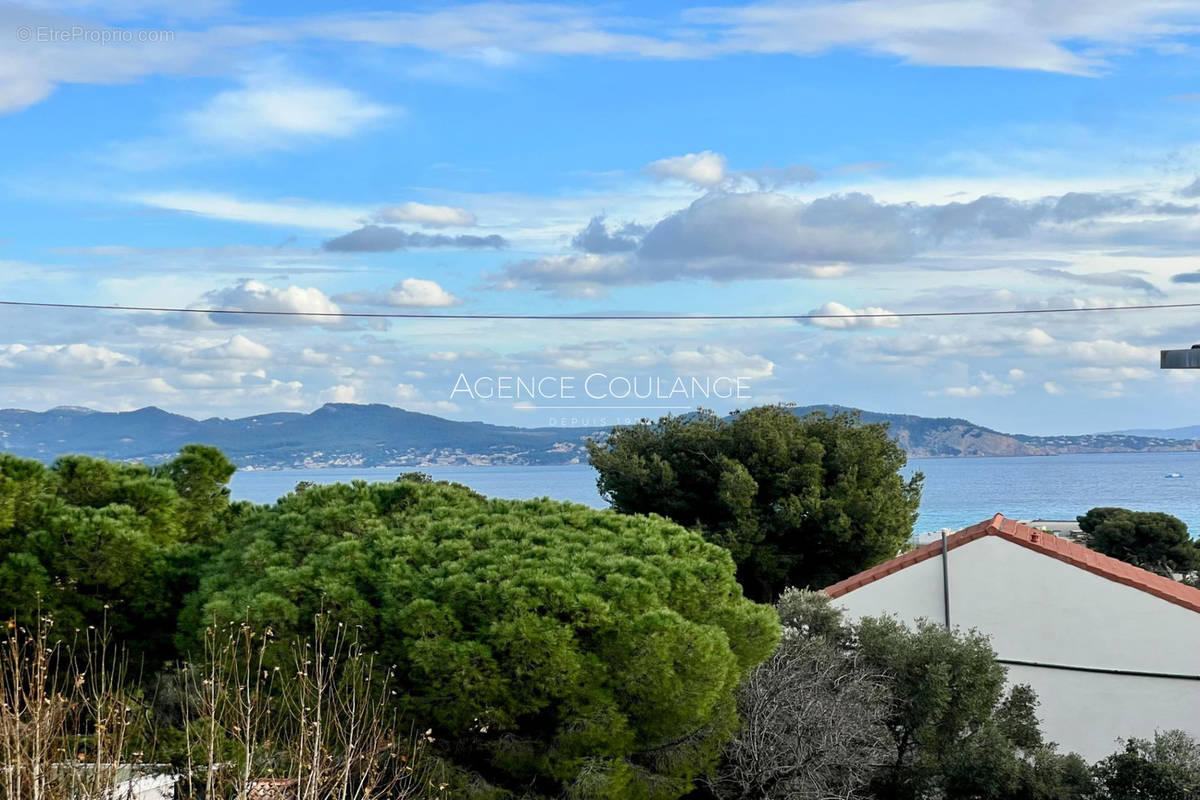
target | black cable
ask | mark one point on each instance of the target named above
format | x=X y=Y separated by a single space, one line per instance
x=626 y=317
x=1176 y=676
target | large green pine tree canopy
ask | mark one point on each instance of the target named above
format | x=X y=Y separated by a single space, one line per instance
x=90 y=542
x=558 y=649
x=798 y=501
x=1149 y=539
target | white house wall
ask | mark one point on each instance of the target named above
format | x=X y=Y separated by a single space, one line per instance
x=1037 y=608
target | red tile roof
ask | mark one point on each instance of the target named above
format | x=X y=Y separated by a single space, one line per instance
x=1040 y=542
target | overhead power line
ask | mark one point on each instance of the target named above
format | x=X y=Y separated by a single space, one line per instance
x=583 y=317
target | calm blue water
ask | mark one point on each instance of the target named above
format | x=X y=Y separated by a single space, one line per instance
x=958 y=491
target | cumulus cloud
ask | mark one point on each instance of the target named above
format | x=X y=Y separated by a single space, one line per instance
x=62 y=357
x=384 y=239
x=597 y=238
x=726 y=236
x=238 y=347
x=841 y=317
x=576 y=275
x=408 y=293
x=768 y=235
x=406 y=391
x=704 y=169
x=341 y=393
x=427 y=215
x=313 y=357
x=253 y=295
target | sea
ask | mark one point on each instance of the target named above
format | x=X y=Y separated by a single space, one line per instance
x=957 y=491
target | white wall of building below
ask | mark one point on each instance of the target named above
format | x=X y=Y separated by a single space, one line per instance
x=1037 y=608
x=1088 y=712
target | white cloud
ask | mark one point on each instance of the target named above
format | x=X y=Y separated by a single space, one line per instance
x=1111 y=374
x=709 y=359
x=1051 y=387
x=846 y=318
x=1110 y=352
x=406 y=391
x=569 y=275
x=269 y=113
x=1034 y=338
x=987 y=385
x=252 y=295
x=1075 y=37
x=313 y=357
x=1069 y=36
x=342 y=393
x=240 y=348
x=285 y=213
x=408 y=293
x=427 y=215
x=704 y=169
x=62 y=357
x=419 y=293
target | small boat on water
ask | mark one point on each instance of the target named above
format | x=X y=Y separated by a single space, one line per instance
x=1172 y=475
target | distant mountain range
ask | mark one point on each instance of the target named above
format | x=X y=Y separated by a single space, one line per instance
x=931 y=437
x=342 y=434
x=1189 y=432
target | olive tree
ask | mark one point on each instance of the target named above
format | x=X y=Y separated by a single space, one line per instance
x=812 y=723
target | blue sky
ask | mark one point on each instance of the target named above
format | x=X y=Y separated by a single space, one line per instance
x=769 y=158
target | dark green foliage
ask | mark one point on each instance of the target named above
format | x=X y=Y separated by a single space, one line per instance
x=553 y=648
x=201 y=476
x=797 y=501
x=957 y=734
x=95 y=543
x=1149 y=539
x=1167 y=768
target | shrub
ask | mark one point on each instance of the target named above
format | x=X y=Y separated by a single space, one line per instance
x=1165 y=768
x=73 y=728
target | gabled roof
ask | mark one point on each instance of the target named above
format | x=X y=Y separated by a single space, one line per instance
x=1049 y=545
